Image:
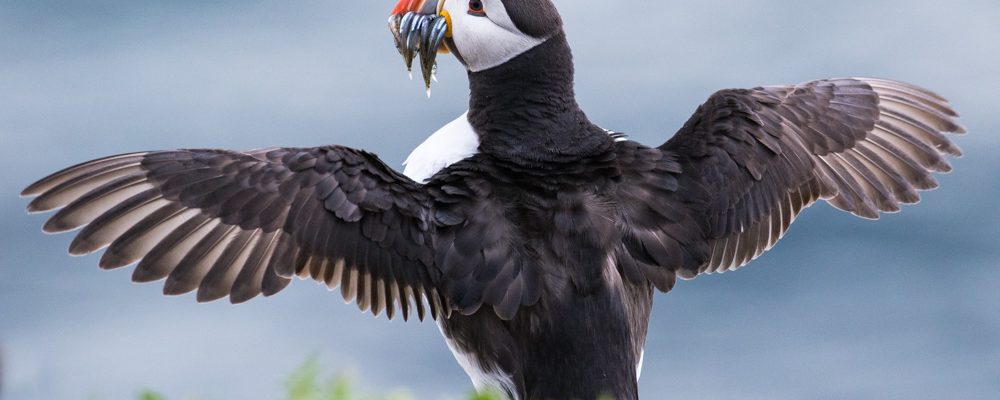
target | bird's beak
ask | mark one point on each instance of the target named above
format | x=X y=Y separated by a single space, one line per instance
x=420 y=28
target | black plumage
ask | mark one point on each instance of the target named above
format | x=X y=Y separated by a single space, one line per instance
x=241 y=224
x=537 y=256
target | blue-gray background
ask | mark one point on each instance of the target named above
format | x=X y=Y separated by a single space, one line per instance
x=905 y=308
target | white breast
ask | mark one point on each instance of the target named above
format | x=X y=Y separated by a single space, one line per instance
x=450 y=144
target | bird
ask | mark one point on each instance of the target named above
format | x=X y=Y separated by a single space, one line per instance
x=535 y=239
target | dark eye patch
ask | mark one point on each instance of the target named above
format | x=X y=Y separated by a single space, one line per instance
x=476 y=8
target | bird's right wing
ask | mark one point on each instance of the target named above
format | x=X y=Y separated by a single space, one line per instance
x=238 y=224
x=727 y=186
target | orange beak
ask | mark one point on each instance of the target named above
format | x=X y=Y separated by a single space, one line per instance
x=425 y=7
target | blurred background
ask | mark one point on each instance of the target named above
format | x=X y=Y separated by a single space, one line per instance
x=904 y=308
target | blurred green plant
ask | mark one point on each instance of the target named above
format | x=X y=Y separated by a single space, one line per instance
x=150 y=395
x=308 y=383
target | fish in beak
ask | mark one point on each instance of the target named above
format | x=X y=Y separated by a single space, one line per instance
x=420 y=28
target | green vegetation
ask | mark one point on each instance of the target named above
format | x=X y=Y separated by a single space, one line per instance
x=307 y=382
x=150 y=395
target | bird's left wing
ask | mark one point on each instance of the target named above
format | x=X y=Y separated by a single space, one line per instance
x=240 y=224
x=727 y=186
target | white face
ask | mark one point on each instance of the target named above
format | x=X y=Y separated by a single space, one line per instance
x=488 y=39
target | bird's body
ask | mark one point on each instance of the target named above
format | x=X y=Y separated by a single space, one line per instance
x=549 y=219
x=538 y=238
x=581 y=357
x=570 y=271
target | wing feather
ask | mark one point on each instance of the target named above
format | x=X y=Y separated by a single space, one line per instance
x=196 y=264
x=238 y=225
x=752 y=160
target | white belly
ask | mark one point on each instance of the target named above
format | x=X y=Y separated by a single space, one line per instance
x=483 y=377
x=450 y=144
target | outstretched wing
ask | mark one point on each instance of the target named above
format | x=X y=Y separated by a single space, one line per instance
x=237 y=224
x=749 y=161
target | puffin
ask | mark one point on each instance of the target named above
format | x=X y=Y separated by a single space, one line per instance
x=534 y=238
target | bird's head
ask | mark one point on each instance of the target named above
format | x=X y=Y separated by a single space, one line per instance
x=482 y=34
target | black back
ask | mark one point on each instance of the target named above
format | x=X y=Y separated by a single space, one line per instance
x=526 y=111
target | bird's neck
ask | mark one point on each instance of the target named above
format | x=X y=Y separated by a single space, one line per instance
x=525 y=110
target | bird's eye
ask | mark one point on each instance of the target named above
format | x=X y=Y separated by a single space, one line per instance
x=476 y=8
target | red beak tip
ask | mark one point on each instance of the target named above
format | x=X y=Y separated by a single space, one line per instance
x=405 y=5
x=416 y=6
